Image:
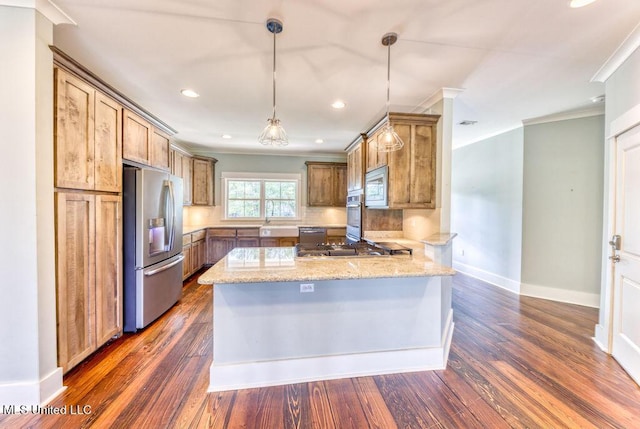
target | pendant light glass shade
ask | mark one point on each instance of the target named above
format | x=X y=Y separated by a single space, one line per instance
x=274 y=134
x=389 y=140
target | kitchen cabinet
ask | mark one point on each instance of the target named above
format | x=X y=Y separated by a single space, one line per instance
x=181 y=167
x=88 y=273
x=355 y=164
x=278 y=241
x=412 y=169
x=220 y=241
x=159 y=150
x=143 y=143
x=326 y=184
x=203 y=181
x=87 y=138
x=375 y=159
x=193 y=250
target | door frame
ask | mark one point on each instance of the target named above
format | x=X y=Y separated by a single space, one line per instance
x=604 y=329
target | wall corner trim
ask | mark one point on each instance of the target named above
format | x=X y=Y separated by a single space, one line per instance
x=49 y=9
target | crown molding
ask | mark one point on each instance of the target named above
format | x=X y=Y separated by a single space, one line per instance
x=619 y=56
x=441 y=94
x=565 y=116
x=46 y=7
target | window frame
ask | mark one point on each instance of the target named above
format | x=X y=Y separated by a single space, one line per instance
x=262 y=178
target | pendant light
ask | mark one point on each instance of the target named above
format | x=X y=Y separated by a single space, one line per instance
x=389 y=140
x=274 y=134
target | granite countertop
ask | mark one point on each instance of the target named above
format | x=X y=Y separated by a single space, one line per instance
x=278 y=264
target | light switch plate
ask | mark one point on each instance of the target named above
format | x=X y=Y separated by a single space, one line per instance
x=306 y=287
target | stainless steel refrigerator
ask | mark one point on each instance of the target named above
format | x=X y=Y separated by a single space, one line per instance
x=152 y=230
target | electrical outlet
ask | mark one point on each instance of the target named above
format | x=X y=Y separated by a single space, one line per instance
x=306 y=287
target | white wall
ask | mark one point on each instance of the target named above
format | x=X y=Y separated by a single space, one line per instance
x=486 y=209
x=28 y=370
x=562 y=211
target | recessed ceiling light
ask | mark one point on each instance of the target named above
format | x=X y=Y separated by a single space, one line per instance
x=190 y=93
x=579 y=3
x=467 y=122
x=226 y=136
x=598 y=99
x=319 y=141
x=338 y=104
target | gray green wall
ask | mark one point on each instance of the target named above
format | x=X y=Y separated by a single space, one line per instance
x=562 y=210
x=527 y=206
x=486 y=208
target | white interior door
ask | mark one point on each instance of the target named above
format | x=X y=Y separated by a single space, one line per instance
x=626 y=293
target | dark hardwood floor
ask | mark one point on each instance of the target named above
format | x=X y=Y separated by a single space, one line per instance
x=515 y=362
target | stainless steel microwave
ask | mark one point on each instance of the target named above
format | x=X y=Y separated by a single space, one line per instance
x=376 y=188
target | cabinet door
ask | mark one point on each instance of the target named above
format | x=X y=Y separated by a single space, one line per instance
x=197 y=255
x=423 y=164
x=159 y=150
x=248 y=242
x=74 y=132
x=202 y=182
x=269 y=242
x=340 y=186
x=136 y=138
x=319 y=185
x=187 y=179
x=202 y=254
x=186 y=263
x=354 y=168
x=218 y=247
x=108 y=260
x=375 y=159
x=400 y=170
x=75 y=248
x=288 y=241
x=108 y=144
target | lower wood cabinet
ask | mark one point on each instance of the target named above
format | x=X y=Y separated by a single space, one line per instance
x=88 y=273
x=194 y=251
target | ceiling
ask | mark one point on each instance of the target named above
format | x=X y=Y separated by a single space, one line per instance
x=514 y=60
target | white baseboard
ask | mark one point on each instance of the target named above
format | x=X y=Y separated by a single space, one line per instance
x=535 y=291
x=486 y=276
x=601 y=338
x=561 y=295
x=288 y=371
x=33 y=393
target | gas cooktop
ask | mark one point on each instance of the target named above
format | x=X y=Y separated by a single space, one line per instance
x=358 y=249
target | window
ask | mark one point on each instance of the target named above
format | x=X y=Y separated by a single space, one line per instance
x=261 y=195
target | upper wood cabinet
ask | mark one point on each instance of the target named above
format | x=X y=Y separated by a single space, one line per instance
x=87 y=136
x=326 y=184
x=412 y=169
x=355 y=165
x=136 y=138
x=143 y=143
x=375 y=159
x=203 y=182
x=181 y=167
x=159 y=154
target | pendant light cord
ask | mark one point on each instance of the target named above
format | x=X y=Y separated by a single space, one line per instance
x=388 y=77
x=274 y=74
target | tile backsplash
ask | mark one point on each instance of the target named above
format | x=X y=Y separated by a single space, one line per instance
x=212 y=215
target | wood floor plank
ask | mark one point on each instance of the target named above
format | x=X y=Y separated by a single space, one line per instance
x=345 y=404
x=515 y=362
x=376 y=411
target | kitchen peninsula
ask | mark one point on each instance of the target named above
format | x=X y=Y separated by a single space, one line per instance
x=279 y=319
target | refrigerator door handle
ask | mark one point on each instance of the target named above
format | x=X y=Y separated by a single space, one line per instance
x=170 y=210
x=163 y=268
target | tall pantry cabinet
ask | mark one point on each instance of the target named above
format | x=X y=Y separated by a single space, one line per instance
x=88 y=207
